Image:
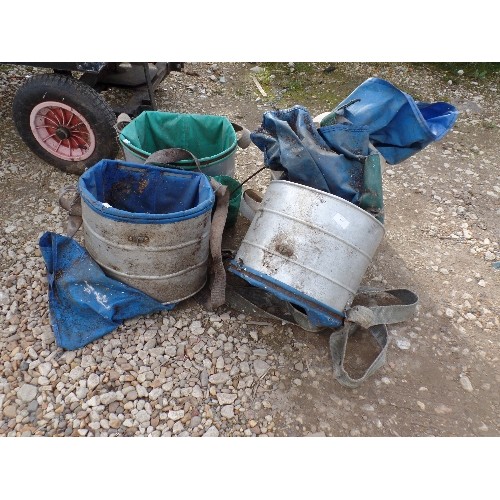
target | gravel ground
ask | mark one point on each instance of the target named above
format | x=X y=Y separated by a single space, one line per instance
x=190 y=372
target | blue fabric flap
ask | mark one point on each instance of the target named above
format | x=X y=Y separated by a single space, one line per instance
x=84 y=303
x=398 y=125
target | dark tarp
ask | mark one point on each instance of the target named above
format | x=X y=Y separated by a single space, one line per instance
x=291 y=142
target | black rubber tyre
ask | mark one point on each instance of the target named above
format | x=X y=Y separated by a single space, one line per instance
x=80 y=97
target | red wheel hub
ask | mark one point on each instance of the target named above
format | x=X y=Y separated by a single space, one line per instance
x=62 y=131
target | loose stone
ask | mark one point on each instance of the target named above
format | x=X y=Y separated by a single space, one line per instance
x=219 y=378
x=175 y=414
x=211 y=432
x=227 y=411
x=226 y=399
x=27 y=393
x=260 y=367
x=466 y=383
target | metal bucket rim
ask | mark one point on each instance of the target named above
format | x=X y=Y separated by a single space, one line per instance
x=329 y=195
x=146 y=218
x=185 y=164
x=318 y=312
x=206 y=159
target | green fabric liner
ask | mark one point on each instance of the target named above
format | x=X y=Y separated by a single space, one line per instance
x=208 y=137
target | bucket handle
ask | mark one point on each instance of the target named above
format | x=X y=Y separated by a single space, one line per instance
x=69 y=200
x=244 y=138
x=121 y=121
x=165 y=157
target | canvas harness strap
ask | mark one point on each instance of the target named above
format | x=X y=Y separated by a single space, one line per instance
x=375 y=319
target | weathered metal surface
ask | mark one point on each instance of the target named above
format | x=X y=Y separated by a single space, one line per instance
x=166 y=261
x=315 y=242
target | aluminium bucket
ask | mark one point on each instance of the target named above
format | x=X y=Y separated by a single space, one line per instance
x=210 y=138
x=148 y=226
x=310 y=248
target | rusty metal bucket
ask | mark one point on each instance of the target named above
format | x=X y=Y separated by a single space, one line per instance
x=148 y=226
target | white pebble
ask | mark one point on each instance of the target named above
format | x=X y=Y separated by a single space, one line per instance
x=197 y=392
x=490 y=256
x=155 y=393
x=27 y=393
x=260 y=367
x=4 y=298
x=108 y=398
x=142 y=416
x=178 y=427
x=226 y=399
x=81 y=392
x=44 y=368
x=76 y=373
x=449 y=312
x=211 y=432
x=403 y=344
x=93 y=381
x=466 y=383
x=219 y=378
x=170 y=350
x=94 y=401
x=442 y=409
x=175 y=414
x=227 y=411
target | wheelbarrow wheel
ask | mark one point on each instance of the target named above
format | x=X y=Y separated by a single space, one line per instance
x=65 y=122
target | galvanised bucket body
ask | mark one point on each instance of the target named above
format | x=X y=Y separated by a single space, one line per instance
x=308 y=244
x=148 y=227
